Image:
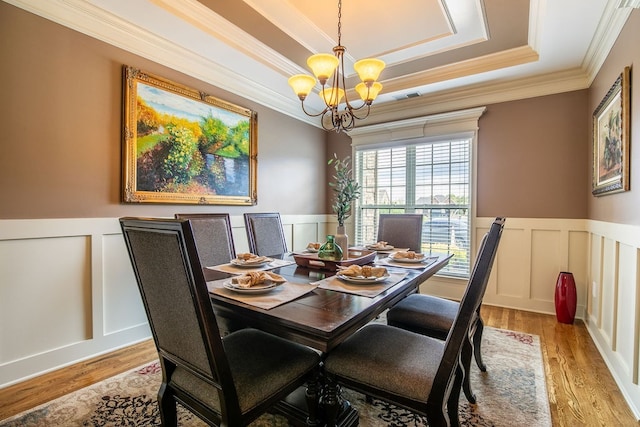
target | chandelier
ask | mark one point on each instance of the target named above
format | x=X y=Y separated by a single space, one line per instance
x=324 y=66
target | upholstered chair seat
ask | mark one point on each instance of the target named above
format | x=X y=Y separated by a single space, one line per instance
x=424 y=314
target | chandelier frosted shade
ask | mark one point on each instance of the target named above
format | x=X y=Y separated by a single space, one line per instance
x=302 y=85
x=323 y=65
x=368 y=93
x=331 y=96
x=369 y=69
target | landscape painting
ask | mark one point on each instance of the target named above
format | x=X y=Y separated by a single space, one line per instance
x=184 y=146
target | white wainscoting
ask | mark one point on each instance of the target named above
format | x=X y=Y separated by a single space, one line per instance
x=605 y=261
x=67 y=291
x=531 y=254
x=613 y=302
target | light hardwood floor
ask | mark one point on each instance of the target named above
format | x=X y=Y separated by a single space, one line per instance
x=581 y=390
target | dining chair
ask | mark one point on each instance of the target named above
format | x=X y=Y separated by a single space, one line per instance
x=214 y=237
x=434 y=316
x=401 y=230
x=226 y=381
x=413 y=371
x=265 y=233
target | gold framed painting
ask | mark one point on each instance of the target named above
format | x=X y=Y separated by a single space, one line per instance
x=611 y=142
x=184 y=146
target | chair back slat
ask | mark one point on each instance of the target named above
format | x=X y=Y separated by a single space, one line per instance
x=214 y=237
x=265 y=233
x=401 y=230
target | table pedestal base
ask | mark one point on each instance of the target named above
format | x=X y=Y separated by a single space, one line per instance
x=294 y=408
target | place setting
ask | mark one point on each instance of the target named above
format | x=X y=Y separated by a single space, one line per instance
x=383 y=247
x=244 y=262
x=364 y=280
x=264 y=289
x=408 y=259
x=311 y=248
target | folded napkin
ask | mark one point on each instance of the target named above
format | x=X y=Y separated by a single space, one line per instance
x=363 y=271
x=406 y=255
x=380 y=245
x=256 y=278
x=249 y=258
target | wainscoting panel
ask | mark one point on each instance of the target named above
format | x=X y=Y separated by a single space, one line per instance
x=122 y=305
x=512 y=272
x=531 y=254
x=67 y=290
x=44 y=304
x=613 y=314
x=609 y=291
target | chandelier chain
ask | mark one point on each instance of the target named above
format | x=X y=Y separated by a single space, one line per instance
x=339 y=22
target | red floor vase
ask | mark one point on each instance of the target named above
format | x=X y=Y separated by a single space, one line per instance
x=565 y=298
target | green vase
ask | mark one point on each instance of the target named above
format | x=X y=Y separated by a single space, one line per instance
x=329 y=250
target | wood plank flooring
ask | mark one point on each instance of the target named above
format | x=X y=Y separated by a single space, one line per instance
x=581 y=390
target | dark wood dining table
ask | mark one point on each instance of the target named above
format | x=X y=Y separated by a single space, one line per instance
x=320 y=319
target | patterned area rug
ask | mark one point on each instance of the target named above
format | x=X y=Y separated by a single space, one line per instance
x=511 y=393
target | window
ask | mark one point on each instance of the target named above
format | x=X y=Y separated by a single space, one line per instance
x=428 y=174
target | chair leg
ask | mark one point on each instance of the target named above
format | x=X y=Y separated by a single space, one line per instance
x=167 y=406
x=477 y=342
x=454 y=397
x=465 y=361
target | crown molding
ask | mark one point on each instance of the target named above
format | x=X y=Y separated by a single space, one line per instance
x=629 y=3
x=200 y=16
x=613 y=20
x=491 y=62
x=86 y=18
x=90 y=20
x=480 y=94
x=454 y=122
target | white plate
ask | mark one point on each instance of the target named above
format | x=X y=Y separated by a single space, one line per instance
x=311 y=250
x=362 y=280
x=252 y=290
x=409 y=260
x=242 y=263
x=379 y=249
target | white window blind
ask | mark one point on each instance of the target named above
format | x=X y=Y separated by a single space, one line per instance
x=431 y=178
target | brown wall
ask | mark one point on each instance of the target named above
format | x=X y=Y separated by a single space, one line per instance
x=531 y=158
x=624 y=207
x=61 y=139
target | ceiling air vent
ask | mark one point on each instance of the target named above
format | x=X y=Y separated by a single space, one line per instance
x=407 y=96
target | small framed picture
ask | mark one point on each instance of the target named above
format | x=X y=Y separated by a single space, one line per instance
x=611 y=138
